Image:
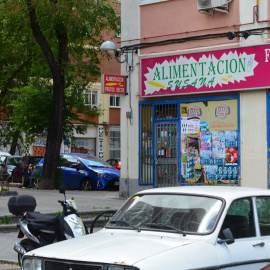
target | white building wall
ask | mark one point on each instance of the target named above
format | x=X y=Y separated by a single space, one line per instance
x=253 y=122
x=253 y=139
x=130 y=34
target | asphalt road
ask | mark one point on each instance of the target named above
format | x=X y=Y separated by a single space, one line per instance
x=47 y=203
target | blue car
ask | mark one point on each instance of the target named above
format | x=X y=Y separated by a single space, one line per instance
x=80 y=171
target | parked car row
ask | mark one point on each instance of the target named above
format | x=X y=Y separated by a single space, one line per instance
x=76 y=171
x=18 y=168
x=8 y=163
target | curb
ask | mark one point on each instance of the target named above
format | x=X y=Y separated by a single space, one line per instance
x=10 y=263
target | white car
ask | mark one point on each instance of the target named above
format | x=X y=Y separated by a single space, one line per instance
x=206 y=227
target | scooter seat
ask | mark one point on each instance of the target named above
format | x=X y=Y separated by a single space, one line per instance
x=40 y=219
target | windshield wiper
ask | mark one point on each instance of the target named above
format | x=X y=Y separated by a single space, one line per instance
x=124 y=223
x=165 y=226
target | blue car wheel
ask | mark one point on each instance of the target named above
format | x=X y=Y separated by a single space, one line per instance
x=86 y=184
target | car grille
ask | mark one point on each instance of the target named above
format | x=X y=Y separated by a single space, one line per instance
x=65 y=265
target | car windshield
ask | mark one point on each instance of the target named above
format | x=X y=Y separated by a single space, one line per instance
x=94 y=162
x=168 y=212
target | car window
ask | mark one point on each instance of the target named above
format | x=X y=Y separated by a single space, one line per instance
x=91 y=161
x=239 y=219
x=263 y=209
x=13 y=161
x=36 y=160
x=66 y=161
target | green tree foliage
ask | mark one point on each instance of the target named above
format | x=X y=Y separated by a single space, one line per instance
x=50 y=54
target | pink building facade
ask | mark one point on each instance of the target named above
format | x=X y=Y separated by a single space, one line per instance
x=197 y=109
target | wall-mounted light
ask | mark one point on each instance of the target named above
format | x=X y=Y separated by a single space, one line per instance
x=110 y=46
x=246 y=34
x=230 y=35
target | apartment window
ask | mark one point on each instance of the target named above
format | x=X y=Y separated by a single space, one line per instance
x=91 y=97
x=114 y=101
x=115 y=142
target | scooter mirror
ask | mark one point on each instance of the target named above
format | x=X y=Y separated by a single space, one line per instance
x=62 y=190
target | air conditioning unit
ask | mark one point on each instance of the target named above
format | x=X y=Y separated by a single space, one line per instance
x=209 y=4
x=94 y=107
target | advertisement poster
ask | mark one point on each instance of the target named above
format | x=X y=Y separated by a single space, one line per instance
x=209 y=145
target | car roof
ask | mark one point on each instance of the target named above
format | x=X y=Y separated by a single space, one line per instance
x=226 y=192
x=5 y=154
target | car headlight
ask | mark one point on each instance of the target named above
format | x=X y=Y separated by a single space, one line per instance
x=103 y=175
x=32 y=264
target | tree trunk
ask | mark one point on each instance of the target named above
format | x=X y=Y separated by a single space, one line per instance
x=14 y=142
x=55 y=129
x=54 y=138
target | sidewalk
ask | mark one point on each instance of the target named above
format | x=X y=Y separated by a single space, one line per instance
x=47 y=203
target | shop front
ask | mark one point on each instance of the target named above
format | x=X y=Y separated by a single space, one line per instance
x=190 y=116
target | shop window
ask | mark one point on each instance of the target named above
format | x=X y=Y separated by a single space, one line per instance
x=115 y=143
x=165 y=111
x=146 y=157
x=209 y=142
x=114 y=101
x=91 y=97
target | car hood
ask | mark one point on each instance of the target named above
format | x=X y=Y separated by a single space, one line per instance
x=106 y=170
x=112 y=247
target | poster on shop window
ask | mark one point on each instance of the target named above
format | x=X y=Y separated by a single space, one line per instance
x=209 y=142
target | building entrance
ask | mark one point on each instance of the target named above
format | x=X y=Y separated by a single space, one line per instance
x=166 y=145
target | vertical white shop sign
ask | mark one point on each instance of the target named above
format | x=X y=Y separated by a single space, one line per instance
x=100 y=141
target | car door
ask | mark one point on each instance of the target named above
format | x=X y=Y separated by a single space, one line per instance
x=263 y=211
x=247 y=252
x=70 y=175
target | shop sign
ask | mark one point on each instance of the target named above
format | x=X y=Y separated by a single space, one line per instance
x=113 y=84
x=215 y=71
x=100 y=142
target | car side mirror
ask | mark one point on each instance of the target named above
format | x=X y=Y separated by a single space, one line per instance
x=74 y=166
x=229 y=239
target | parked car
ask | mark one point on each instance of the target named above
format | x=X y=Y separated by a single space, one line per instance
x=116 y=163
x=9 y=162
x=80 y=171
x=22 y=172
x=191 y=227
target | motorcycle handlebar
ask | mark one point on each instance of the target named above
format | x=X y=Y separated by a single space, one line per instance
x=61 y=202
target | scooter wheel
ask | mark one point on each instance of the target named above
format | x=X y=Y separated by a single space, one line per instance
x=28 y=245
